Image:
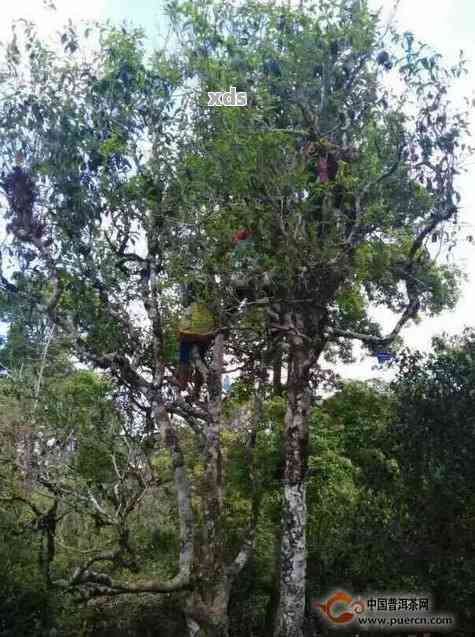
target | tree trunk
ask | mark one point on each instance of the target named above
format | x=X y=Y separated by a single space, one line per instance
x=207 y=606
x=277 y=373
x=291 y=612
x=30 y=430
x=207 y=613
x=273 y=603
x=193 y=627
x=28 y=454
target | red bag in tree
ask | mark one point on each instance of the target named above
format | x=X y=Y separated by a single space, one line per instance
x=322 y=170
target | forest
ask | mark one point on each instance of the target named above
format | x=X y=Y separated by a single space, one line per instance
x=195 y=240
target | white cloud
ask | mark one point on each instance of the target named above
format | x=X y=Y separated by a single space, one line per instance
x=49 y=21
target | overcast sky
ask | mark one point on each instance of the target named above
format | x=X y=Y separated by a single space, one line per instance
x=446 y=25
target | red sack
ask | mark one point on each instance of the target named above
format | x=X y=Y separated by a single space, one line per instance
x=322 y=170
x=241 y=235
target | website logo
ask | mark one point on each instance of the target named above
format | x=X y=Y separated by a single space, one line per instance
x=388 y=611
x=340 y=607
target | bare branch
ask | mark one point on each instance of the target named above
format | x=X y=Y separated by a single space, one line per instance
x=409 y=313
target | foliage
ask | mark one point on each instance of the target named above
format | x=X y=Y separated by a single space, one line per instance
x=434 y=436
x=25 y=606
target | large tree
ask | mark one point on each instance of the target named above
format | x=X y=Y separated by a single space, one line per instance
x=341 y=167
x=92 y=212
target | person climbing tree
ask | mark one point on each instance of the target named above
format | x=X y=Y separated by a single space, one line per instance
x=196 y=329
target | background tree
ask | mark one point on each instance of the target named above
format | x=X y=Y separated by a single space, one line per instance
x=434 y=440
x=91 y=199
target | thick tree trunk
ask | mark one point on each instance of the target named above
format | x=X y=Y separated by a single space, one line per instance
x=193 y=627
x=207 y=607
x=207 y=613
x=293 y=562
x=291 y=612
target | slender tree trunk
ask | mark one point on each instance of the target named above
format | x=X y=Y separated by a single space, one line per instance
x=273 y=603
x=277 y=373
x=291 y=612
x=30 y=430
x=28 y=448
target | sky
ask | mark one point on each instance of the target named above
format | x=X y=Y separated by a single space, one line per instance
x=446 y=25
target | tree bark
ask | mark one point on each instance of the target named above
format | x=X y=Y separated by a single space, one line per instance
x=30 y=429
x=208 y=605
x=277 y=373
x=291 y=611
x=207 y=611
x=273 y=603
